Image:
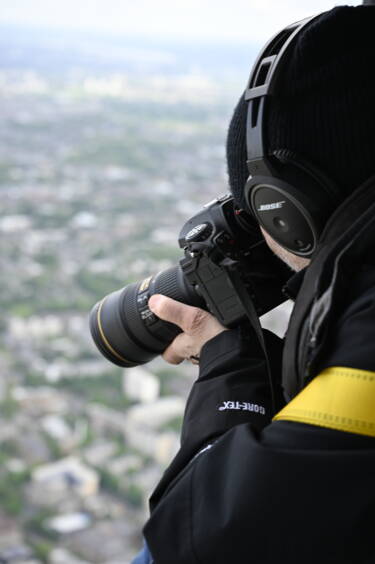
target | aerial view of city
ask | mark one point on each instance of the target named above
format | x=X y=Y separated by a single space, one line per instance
x=107 y=148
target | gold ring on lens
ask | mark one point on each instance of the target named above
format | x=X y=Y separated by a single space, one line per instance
x=109 y=347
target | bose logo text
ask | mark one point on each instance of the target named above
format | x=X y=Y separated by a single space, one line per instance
x=273 y=206
x=242 y=406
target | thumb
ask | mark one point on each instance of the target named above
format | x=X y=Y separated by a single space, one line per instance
x=187 y=317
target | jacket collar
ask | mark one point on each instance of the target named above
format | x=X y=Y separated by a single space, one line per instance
x=350 y=232
x=293 y=285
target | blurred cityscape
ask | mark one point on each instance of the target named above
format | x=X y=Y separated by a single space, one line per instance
x=107 y=147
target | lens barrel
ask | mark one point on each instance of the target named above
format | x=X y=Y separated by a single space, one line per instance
x=123 y=327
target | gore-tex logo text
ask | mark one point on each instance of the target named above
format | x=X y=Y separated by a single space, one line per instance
x=242 y=406
x=273 y=206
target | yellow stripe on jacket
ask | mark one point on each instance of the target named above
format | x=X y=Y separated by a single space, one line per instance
x=338 y=398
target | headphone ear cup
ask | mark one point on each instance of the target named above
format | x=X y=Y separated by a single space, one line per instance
x=326 y=185
x=291 y=207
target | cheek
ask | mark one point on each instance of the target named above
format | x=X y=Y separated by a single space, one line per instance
x=294 y=262
x=270 y=242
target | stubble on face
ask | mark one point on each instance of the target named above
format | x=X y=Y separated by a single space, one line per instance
x=294 y=262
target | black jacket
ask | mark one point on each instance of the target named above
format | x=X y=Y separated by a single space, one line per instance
x=245 y=489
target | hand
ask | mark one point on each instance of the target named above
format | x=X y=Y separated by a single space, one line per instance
x=198 y=327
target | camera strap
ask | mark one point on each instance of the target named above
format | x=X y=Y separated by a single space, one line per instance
x=252 y=316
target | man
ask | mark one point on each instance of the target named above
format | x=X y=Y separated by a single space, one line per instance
x=296 y=486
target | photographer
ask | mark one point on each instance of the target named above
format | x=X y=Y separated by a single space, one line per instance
x=296 y=486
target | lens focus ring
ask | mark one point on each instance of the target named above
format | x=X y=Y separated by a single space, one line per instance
x=167 y=282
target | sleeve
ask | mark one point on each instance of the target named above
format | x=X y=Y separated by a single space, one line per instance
x=233 y=388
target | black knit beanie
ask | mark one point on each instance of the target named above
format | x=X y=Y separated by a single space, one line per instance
x=324 y=109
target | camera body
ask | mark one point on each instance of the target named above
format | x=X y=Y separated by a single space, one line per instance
x=223 y=243
x=226 y=263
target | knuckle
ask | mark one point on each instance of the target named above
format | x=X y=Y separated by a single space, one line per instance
x=172 y=359
x=197 y=319
x=167 y=357
x=171 y=356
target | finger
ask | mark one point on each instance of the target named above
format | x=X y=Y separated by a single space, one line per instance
x=182 y=347
x=188 y=318
x=171 y=358
x=175 y=353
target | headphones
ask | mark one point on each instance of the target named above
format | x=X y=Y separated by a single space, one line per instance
x=289 y=196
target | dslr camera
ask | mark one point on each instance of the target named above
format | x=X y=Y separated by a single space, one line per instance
x=227 y=267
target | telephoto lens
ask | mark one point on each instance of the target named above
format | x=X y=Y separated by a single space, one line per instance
x=126 y=331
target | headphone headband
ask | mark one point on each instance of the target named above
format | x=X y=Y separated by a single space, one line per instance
x=290 y=201
x=262 y=83
x=289 y=196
